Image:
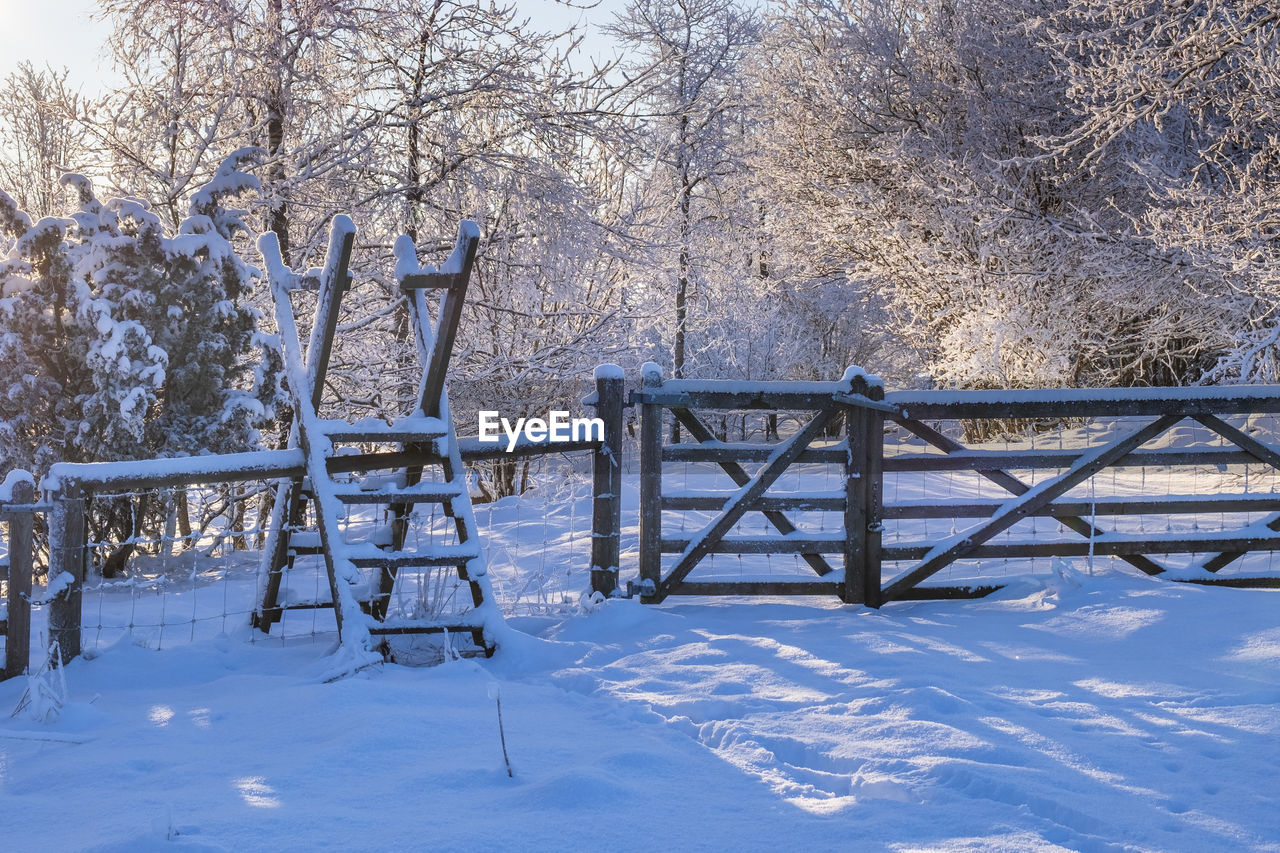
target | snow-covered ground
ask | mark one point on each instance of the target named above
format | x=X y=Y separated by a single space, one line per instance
x=1105 y=712
x=1084 y=706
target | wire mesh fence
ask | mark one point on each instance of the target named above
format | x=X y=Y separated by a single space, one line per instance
x=168 y=566
x=695 y=491
x=1186 y=484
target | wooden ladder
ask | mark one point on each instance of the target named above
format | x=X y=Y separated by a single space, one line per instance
x=363 y=566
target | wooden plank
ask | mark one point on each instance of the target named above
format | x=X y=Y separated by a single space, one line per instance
x=826 y=543
x=399 y=560
x=70 y=557
x=606 y=483
x=1086 y=402
x=782 y=459
x=166 y=473
x=17 y=629
x=740 y=477
x=465 y=248
x=271 y=465
x=949 y=593
x=1187 y=504
x=872 y=595
x=651 y=488
x=1111 y=546
x=429 y=281
x=382 y=435
x=737 y=400
x=1261 y=452
x=725 y=452
x=854 y=545
x=473 y=450
x=995 y=460
x=1089 y=464
x=799 y=587
x=1240 y=583
x=433 y=494
x=767 y=503
x=1013 y=485
x=335 y=283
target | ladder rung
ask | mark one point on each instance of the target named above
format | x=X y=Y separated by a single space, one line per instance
x=400 y=560
x=431 y=494
x=406 y=431
x=389 y=434
x=431 y=281
x=433 y=628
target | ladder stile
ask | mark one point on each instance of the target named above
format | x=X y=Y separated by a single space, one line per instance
x=363 y=566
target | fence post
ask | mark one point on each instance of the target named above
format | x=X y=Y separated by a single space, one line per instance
x=17 y=643
x=606 y=491
x=855 y=494
x=651 y=485
x=68 y=558
x=874 y=444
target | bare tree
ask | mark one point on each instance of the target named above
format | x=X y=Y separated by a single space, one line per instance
x=42 y=136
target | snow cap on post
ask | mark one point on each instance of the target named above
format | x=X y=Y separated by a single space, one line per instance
x=608 y=371
x=13 y=478
x=339 y=230
x=852 y=371
x=406 y=258
x=651 y=373
x=468 y=230
x=277 y=272
x=860 y=381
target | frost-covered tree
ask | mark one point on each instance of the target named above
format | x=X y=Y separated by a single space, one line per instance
x=903 y=141
x=42 y=135
x=684 y=57
x=1182 y=100
x=123 y=342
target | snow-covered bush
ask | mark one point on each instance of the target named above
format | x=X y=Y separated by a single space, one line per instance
x=118 y=341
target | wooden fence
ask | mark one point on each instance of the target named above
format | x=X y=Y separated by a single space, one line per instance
x=831 y=434
x=851 y=560
x=75 y=484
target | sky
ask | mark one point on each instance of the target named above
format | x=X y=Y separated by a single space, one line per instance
x=54 y=32
x=63 y=33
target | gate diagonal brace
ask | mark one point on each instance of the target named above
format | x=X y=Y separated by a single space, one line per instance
x=1259 y=451
x=1028 y=503
x=739 y=504
x=1014 y=486
x=740 y=477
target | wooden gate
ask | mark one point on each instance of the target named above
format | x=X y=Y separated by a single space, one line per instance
x=838 y=559
x=842 y=426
